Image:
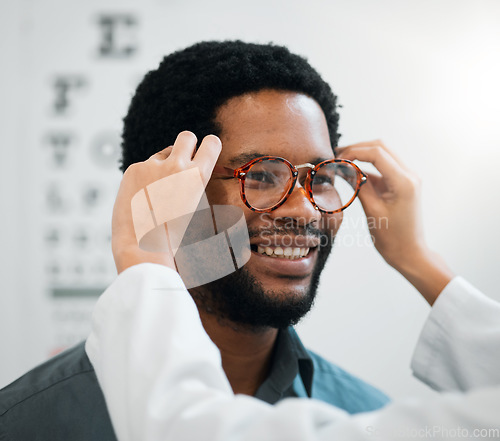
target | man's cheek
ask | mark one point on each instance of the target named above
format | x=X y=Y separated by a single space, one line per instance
x=217 y=193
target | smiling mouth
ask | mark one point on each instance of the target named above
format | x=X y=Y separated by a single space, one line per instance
x=290 y=253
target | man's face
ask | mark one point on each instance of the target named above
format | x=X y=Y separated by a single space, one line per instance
x=269 y=290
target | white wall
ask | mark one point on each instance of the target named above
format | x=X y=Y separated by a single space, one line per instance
x=423 y=76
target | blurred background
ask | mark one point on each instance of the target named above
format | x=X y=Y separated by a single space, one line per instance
x=423 y=76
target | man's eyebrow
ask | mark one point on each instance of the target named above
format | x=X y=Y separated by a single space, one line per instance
x=243 y=158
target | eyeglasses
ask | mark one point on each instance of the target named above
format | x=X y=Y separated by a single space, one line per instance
x=266 y=183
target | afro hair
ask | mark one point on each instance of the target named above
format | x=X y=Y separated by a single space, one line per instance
x=190 y=85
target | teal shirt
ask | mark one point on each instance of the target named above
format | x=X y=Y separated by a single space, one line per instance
x=298 y=372
x=61 y=400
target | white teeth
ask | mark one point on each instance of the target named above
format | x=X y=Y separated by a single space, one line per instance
x=284 y=252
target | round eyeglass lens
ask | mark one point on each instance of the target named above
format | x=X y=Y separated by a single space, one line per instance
x=334 y=185
x=266 y=183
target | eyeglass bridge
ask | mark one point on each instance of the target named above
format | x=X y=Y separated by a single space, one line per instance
x=305 y=165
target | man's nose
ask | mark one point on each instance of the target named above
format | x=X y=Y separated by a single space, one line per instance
x=298 y=207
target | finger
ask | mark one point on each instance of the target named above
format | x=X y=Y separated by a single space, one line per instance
x=375 y=143
x=184 y=147
x=380 y=158
x=207 y=155
x=163 y=154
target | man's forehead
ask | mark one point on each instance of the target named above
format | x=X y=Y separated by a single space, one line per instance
x=273 y=123
x=240 y=159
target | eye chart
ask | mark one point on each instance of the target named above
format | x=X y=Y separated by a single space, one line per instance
x=80 y=66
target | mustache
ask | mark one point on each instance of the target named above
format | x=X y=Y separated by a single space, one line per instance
x=306 y=230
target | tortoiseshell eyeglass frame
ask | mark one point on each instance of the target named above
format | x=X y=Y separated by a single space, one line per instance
x=241 y=172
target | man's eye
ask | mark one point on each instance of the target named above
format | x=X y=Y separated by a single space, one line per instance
x=262 y=177
x=323 y=180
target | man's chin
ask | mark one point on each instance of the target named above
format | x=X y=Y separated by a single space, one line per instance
x=242 y=299
x=257 y=297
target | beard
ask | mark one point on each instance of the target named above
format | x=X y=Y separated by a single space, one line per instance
x=241 y=299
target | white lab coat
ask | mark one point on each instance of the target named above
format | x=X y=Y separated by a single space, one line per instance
x=162 y=378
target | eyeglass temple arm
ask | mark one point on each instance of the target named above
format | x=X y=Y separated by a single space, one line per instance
x=225 y=171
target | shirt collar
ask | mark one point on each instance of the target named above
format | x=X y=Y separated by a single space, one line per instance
x=290 y=358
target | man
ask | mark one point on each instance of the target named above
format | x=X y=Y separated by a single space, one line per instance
x=176 y=389
x=261 y=100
